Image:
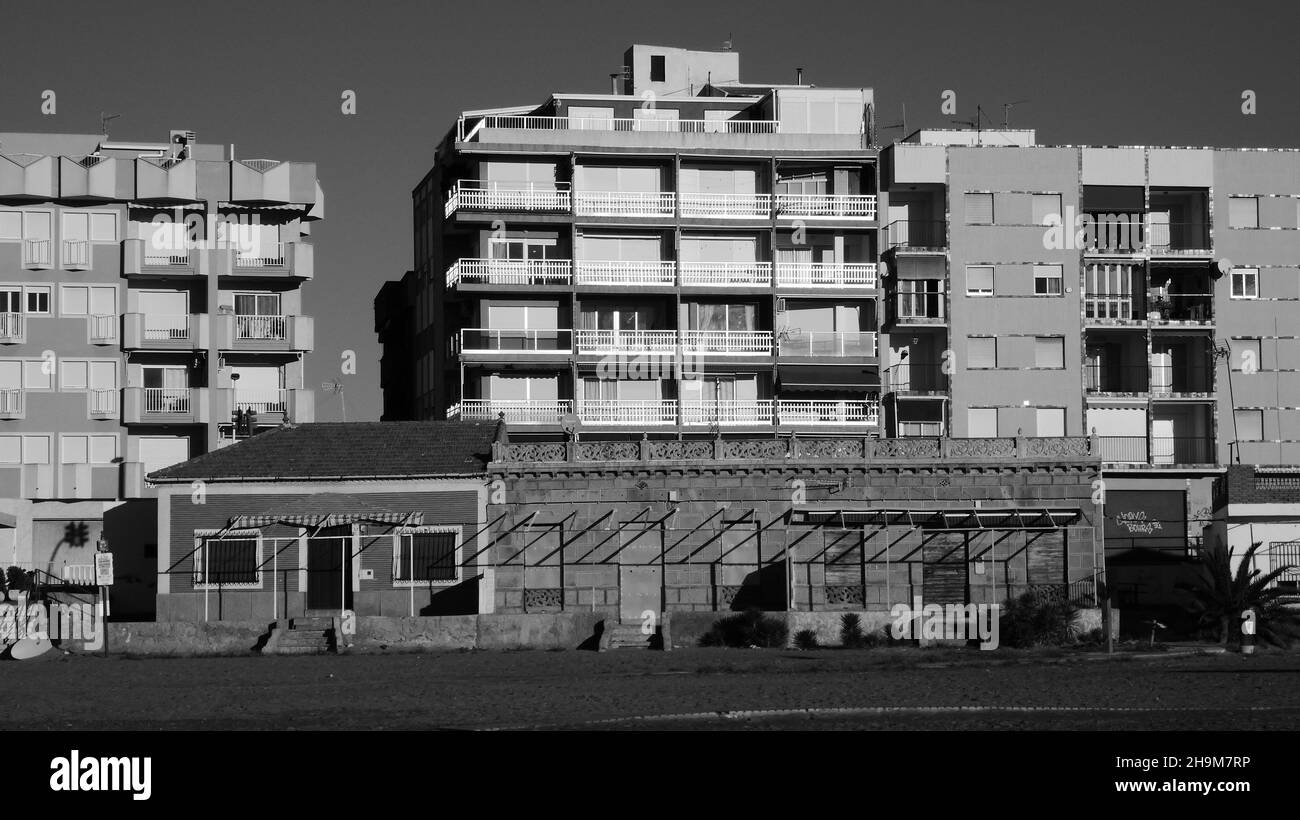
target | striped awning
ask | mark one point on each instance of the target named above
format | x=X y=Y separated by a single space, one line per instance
x=931 y=518
x=326 y=510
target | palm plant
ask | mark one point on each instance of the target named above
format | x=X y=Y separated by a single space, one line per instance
x=1221 y=596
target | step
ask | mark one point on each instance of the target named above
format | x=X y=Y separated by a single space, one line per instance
x=303 y=650
x=311 y=622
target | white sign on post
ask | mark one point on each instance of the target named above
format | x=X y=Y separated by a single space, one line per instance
x=104 y=569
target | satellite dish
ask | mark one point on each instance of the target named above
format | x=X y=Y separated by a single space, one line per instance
x=569 y=421
x=29 y=648
x=1222 y=268
x=883 y=269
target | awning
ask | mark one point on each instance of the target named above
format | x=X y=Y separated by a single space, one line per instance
x=326 y=510
x=7 y=520
x=828 y=377
x=930 y=518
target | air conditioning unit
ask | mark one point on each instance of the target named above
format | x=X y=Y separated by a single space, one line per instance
x=780 y=306
x=181 y=142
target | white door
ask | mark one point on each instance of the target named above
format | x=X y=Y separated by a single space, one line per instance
x=1162 y=370
x=1162 y=441
x=258 y=388
x=166 y=314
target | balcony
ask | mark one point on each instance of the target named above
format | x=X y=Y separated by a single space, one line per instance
x=102 y=328
x=510 y=272
x=38 y=254
x=1114 y=310
x=726 y=274
x=817 y=275
x=155 y=331
x=625 y=341
x=12 y=404
x=1178 y=239
x=1112 y=234
x=102 y=403
x=1157 y=451
x=727 y=412
x=85 y=481
x=140 y=257
x=618 y=273
x=264 y=333
x=1116 y=379
x=826 y=206
x=547 y=341
x=165 y=405
x=515 y=411
x=920 y=307
x=918 y=378
x=470 y=128
x=272 y=407
x=1180 y=309
x=525 y=197
x=828 y=413
x=726 y=206
x=289 y=259
x=13 y=328
x=76 y=254
x=648 y=412
x=727 y=342
x=826 y=344
x=917 y=235
x=624 y=203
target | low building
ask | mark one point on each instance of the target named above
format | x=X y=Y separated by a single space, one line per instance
x=1255 y=504
x=376 y=518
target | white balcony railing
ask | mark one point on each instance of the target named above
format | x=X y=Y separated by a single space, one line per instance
x=38 y=253
x=606 y=341
x=726 y=274
x=828 y=412
x=159 y=327
x=623 y=203
x=726 y=206
x=515 y=340
x=727 y=412
x=510 y=272
x=11 y=402
x=517 y=411
x=263 y=400
x=260 y=328
x=483 y=195
x=826 y=275
x=76 y=254
x=826 y=343
x=625 y=273
x=628 y=411
x=734 y=342
x=103 y=327
x=164 y=257
x=103 y=402
x=167 y=400
x=264 y=255
x=855 y=206
x=469 y=128
x=13 y=327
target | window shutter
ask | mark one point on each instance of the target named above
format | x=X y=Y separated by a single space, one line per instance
x=979 y=209
x=1243 y=212
x=982 y=353
x=1046 y=205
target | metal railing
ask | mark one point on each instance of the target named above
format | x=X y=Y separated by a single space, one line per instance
x=38 y=253
x=917 y=234
x=103 y=402
x=260 y=401
x=604 y=341
x=76 y=253
x=518 y=411
x=260 y=328
x=628 y=411
x=827 y=343
x=486 y=195
x=918 y=376
x=13 y=326
x=1158 y=450
x=166 y=327
x=1173 y=238
x=725 y=206
x=1127 y=308
x=826 y=274
x=165 y=257
x=1195 y=308
x=1180 y=377
x=166 y=400
x=741 y=342
x=625 y=273
x=624 y=203
x=11 y=402
x=859 y=206
x=726 y=274
x=510 y=272
x=1126 y=378
x=271 y=256
x=725 y=412
x=827 y=412
x=103 y=327
x=52 y=573
x=516 y=340
x=468 y=128
x=919 y=306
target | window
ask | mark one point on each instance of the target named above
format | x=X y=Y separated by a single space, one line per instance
x=658 y=68
x=1049 y=352
x=981 y=352
x=16 y=449
x=979 y=209
x=911 y=429
x=32 y=299
x=426 y=555
x=1249 y=424
x=1046 y=206
x=88 y=449
x=29 y=374
x=87 y=300
x=1050 y=422
x=1247 y=355
x=81 y=374
x=38 y=298
x=1048 y=280
x=979 y=280
x=982 y=422
x=1245 y=283
x=233 y=559
x=1243 y=212
x=11 y=225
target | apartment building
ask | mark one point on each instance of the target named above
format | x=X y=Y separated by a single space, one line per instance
x=687 y=253
x=1146 y=294
x=148 y=291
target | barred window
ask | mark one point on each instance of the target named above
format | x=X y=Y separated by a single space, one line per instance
x=228 y=560
x=426 y=555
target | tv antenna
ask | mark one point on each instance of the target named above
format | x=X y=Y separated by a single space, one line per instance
x=336 y=387
x=900 y=124
x=104 y=119
x=977 y=123
x=1006 y=112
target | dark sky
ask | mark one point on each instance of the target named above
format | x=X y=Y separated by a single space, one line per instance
x=267 y=76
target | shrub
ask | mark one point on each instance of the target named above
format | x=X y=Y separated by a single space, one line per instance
x=851 y=635
x=1221 y=595
x=1030 y=621
x=748 y=628
x=14 y=579
x=806 y=639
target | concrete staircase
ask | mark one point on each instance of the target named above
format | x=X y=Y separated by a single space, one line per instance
x=312 y=635
x=629 y=636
